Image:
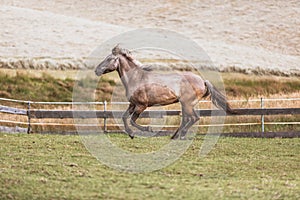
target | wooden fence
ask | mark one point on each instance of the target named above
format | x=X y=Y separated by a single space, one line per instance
x=106 y=114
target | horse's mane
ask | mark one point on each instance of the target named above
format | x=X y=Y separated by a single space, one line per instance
x=127 y=54
x=147 y=68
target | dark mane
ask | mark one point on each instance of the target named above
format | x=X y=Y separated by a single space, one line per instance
x=147 y=68
x=125 y=52
x=128 y=55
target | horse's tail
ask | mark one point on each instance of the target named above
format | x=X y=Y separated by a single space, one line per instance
x=217 y=98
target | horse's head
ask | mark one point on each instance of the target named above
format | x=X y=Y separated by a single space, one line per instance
x=112 y=61
x=109 y=64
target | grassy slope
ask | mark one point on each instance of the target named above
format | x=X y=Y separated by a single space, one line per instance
x=27 y=87
x=46 y=88
x=245 y=86
x=59 y=167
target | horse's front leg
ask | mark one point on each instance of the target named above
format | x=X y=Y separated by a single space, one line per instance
x=135 y=116
x=125 y=116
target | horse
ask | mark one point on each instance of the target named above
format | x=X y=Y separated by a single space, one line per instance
x=146 y=88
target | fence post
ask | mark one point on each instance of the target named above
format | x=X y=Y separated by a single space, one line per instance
x=262 y=116
x=104 y=119
x=28 y=115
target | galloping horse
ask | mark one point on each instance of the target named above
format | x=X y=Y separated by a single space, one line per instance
x=145 y=88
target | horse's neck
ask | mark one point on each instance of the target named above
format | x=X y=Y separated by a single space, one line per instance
x=126 y=70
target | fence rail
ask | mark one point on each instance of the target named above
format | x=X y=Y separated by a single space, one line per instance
x=156 y=113
x=106 y=114
x=61 y=114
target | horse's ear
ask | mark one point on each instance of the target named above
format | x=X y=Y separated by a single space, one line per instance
x=116 y=50
x=127 y=54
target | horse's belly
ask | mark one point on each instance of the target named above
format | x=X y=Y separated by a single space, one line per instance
x=155 y=94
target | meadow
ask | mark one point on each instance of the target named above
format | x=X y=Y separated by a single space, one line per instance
x=60 y=167
x=45 y=42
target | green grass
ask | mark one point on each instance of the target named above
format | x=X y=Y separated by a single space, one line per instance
x=47 y=88
x=241 y=85
x=59 y=167
x=44 y=87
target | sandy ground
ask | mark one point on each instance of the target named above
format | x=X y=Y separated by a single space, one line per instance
x=247 y=36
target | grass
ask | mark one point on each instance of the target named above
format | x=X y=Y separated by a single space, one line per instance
x=45 y=87
x=59 y=167
x=246 y=86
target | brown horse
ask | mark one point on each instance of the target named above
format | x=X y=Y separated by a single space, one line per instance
x=145 y=88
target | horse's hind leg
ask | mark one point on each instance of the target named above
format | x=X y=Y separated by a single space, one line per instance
x=184 y=121
x=189 y=117
x=193 y=119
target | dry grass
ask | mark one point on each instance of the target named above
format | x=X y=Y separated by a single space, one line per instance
x=238 y=87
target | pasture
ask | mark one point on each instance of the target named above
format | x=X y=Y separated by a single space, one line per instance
x=38 y=166
x=253 y=44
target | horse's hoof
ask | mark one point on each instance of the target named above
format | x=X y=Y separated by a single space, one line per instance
x=131 y=136
x=174 y=137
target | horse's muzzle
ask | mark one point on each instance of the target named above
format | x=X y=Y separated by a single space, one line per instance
x=98 y=72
